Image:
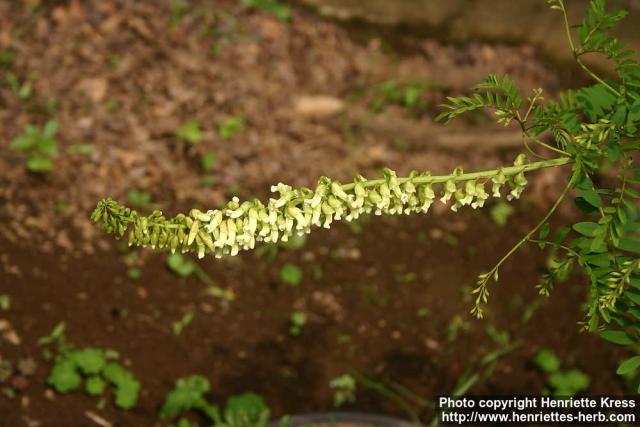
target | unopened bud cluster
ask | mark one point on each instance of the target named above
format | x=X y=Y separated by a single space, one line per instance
x=239 y=225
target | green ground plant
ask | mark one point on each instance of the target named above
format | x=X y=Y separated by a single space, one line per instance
x=39 y=145
x=406 y=94
x=190 y=131
x=297 y=320
x=231 y=126
x=291 y=274
x=90 y=369
x=189 y=395
x=280 y=10
x=344 y=390
x=582 y=131
x=561 y=383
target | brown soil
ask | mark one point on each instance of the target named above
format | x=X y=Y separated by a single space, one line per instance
x=382 y=300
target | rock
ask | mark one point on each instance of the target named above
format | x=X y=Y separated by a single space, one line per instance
x=318 y=106
x=95 y=89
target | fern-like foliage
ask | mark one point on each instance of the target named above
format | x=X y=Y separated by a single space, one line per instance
x=499 y=94
x=593 y=125
x=594 y=36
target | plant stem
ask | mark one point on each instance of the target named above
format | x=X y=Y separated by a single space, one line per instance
x=534 y=229
x=577 y=54
x=511 y=170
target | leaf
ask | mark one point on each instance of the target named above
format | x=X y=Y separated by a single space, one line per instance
x=127 y=394
x=179 y=326
x=291 y=274
x=629 y=245
x=22 y=143
x=139 y=198
x=84 y=149
x=596 y=100
x=134 y=273
x=55 y=335
x=208 y=161
x=629 y=366
x=588 y=193
x=190 y=131
x=569 y=383
x=248 y=408
x=547 y=361
x=64 y=376
x=50 y=129
x=117 y=374
x=613 y=150
x=633 y=193
x=561 y=234
x=585 y=228
x=89 y=360
x=280 y=10
x=187 y=394
x=39 y=164
x=95 y=386
x=616 y=337
x=542 y=235
x=231 y=126
x=181 y=265
x=633 y=296
x=500 y=213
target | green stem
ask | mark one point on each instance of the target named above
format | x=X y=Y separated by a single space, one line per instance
x=577 y=54
x=595 y=76
x=534 y=229
x=511 y=170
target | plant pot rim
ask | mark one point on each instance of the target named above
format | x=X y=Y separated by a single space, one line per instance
x=354 y=417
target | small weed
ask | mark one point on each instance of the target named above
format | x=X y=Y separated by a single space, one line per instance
x=208 y=161
x=246 y=410
x=7 y=58
x=423 y=312
x=207 y=180
x=39 y=145
x=181 y=265
x=111 y=105
x=139 y=198
x=114 y=61
x=561 y=383
x=94 y=367
x=344 y=390
x=291 y=274
x=227 y=295
x=406 y=277
x=84 y=149
x=500 y=213
x=22 y=91
x=298 y=319
x=134 y=273
x=179 y=326
x=5 y=302
x=270 y=250
x=457 y=325
x=179 y=9
x=280 y=10
x=184 y=267
x=408 y=94
x=344 y=339
x=190 y=131
x=500 y=337
x=231 y=126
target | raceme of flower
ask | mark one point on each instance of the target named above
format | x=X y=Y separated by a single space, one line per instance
x=239 y=225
